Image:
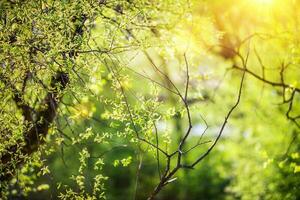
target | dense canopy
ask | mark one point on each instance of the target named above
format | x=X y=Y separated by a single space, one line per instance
x=157 y=99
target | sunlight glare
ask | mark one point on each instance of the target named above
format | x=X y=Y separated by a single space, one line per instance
x=264 y=2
